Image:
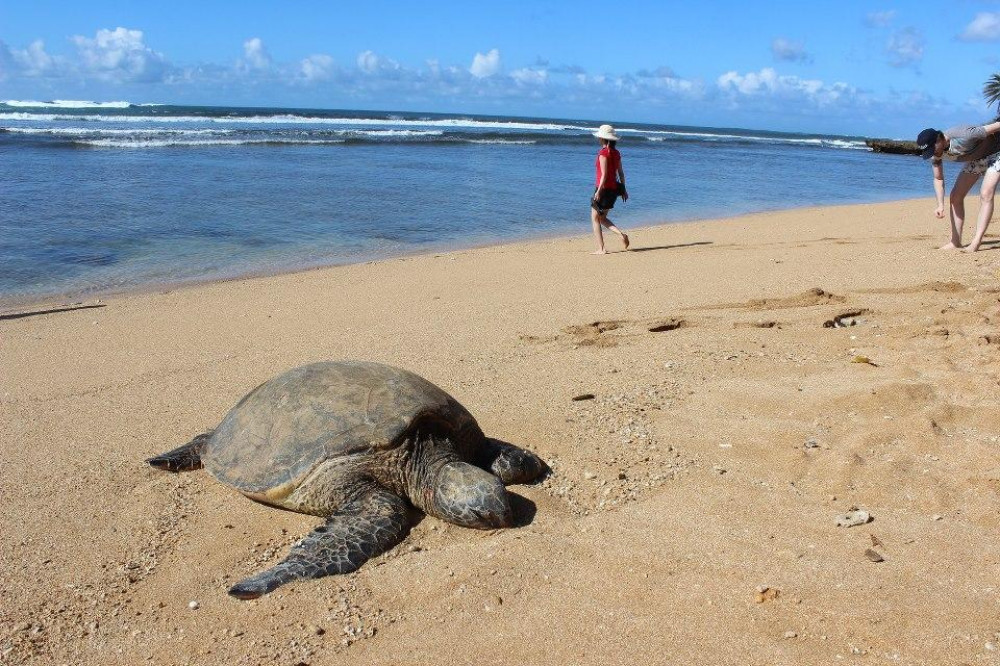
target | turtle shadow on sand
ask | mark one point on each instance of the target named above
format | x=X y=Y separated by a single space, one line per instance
x=360 y=444
x=523 y=508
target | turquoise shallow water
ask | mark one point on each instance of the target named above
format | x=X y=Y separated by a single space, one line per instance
x=114 y=197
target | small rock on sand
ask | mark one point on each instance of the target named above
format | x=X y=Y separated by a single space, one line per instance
x=853 y=518
x=873 y=556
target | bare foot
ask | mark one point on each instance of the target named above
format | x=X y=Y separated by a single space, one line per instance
x=625 y=239
x=948 y=246
x=969 y=249
x=600 y=252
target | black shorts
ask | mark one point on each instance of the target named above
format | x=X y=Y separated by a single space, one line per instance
x=606 y=201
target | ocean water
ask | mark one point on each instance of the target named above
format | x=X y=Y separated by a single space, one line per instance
x=106 y=197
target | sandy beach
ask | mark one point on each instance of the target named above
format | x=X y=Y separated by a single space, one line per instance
x=752 y=380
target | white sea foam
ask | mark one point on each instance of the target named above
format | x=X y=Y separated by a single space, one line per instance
x=102 y=131
x=394 y=133
x=507 y=142
x=69 y=104
x=289 y=119
x=658 y=136
x=395 y=127
x=169 y=143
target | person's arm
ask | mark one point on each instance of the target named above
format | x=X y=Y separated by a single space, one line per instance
x=937 y=166
x=992 y=128
x=621 y=179
x=603 y=162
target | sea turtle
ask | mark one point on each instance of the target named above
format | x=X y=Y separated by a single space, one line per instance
x=352 y=441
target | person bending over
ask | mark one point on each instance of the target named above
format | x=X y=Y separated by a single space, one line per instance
x=978 y=146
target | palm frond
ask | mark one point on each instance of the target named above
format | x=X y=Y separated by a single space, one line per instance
x=991 y=89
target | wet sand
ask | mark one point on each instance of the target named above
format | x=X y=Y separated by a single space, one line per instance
x=690 y=516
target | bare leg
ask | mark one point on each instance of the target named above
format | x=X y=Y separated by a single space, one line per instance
x=962 y=185
x=595 y=220
x=986 y=194
x=611 y=226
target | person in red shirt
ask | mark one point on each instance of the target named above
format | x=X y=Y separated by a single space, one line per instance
x=609 y=186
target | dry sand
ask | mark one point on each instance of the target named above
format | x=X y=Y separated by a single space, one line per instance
x=690 y=514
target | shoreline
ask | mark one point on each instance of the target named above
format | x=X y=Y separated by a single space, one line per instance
x=695 y=495
x=21 y=305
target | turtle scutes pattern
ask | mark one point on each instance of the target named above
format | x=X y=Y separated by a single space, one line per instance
x=357 y=443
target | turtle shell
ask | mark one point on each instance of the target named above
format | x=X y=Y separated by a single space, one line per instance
x=279 y=432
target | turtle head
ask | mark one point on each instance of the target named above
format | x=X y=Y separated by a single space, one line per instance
x=466 y=495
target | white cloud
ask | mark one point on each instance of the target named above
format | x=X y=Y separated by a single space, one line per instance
x=318 y=67
x=676 y=85
x=255 y=55
x=786 y=50
x=753 y=83
x=34 y=61
x=984 y=28
x=119 y=55
x=530 y=76
x=6 y=61
x=905 y=47
x=768 y=85
x=662 y=72
x=370 y=62
x=485 y=65
x=532 y=86
x=880 y=19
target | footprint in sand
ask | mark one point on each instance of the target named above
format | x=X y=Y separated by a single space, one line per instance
x=593 y=334
x=760 y=323
x=935 y=286
x=810 y=297
x=846 y=319
x=667 y=325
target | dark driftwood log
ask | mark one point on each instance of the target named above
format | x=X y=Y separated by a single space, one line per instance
x=894 y=147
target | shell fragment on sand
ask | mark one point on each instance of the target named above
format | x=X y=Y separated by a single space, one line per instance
x=873 y=556
x=853 y=518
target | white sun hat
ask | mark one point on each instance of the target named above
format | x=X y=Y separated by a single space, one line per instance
x=606 y=132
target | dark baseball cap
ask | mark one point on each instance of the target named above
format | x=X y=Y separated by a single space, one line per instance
x=926 y=141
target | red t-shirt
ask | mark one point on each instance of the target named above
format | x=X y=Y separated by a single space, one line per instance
x=611 y=175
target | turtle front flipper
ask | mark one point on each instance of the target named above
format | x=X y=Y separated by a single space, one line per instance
x=511 y=463
x=370 y=525
x=183 y=458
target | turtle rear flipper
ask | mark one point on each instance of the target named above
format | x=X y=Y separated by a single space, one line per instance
x=370 y=525
x=183 y=458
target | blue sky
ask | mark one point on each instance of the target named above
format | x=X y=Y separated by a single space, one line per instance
x=848 y=67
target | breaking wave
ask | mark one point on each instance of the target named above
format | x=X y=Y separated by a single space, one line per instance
x=127 y=125
x=70 y=104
